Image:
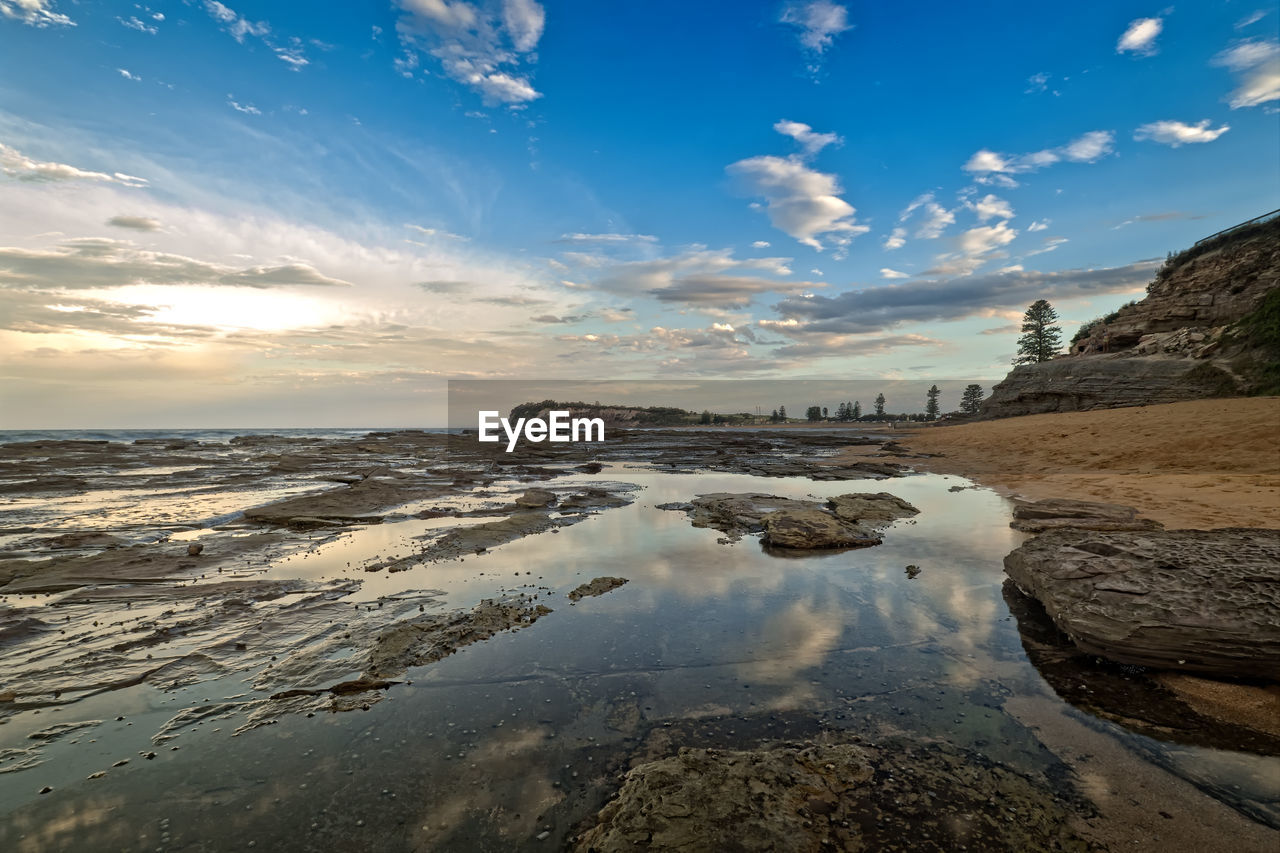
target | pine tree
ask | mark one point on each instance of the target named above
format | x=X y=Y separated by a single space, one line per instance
x=931 y=406
x=857 y=410
x=824 y=413
x=880 y=406
x=782 y=414
x=971 y=400
x=773 y=419
x=1041 y=339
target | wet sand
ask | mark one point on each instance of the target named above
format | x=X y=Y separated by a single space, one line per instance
x=1201 y=464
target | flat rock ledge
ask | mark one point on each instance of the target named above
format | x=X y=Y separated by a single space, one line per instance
x=845 y=521
x=1193 y=600
x=841 y=796
x=1057 y=513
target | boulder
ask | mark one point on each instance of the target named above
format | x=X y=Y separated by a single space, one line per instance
x=879 y=508
x=1194 y=600
x=814 y=528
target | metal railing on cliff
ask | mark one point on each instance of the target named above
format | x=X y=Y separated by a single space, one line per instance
x=1257 y=220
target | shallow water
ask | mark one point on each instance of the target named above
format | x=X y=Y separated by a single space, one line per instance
x=527 y=732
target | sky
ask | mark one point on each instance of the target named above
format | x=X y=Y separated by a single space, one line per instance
x=261 y=214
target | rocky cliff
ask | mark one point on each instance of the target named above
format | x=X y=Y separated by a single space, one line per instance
x=1209 y=326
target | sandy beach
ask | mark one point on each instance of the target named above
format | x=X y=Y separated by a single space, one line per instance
x=1200 y=464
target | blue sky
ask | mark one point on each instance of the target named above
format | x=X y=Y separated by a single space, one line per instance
x=276 y=214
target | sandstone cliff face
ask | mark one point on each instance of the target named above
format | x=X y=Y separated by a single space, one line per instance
x=1098 y=382
x=1204 y=288
x=1181 y=342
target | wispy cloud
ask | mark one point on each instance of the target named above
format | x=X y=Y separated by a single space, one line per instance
x=15 y=164
x=135 y=223
x=819 y=22
x=1086 y=148
x=875 y=309
x=247 y=109
x=96 y=262
x=133 y=22
x=810 y=141
x=608 y=238
x=1257 y=65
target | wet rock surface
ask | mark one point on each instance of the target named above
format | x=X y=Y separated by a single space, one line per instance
x=1198 y=601
x=1056 y=513
x=845 y=521
x=1136 y=698
x=598 y=586
x=831 y=796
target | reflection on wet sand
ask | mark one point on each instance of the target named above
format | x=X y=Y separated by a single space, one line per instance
x=525 y=734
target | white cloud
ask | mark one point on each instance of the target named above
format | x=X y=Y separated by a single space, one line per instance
x=248 y=109
x=819 y=22
x=1090 y=147
x=1257 y=61
x=609 y=238
x=1086 y=148
x=34 y=13
x=1176 y=133
x=1246 y=54
x=991 y=207
x=293 y=57
x=487 y=50
x=1039 y=225
x=802 y=203
x=760 y=244
x=936 y=220
x=17 y=165
x=1048 y=244
x=436 y=232
x=810 y=142
x=701 y=278
x=986 y=238
x=524 y=20
x=125 y=73
x=1140 y=37
x=134 y=23
x=885 y=272
x=1251 y=19
x=1037 y=83
x=237 y=26
x=896 y=240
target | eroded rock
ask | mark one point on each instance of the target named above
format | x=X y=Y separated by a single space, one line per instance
x=837 y=796
x=845 y=521
x=1201 y=601
x=1056 y=513
x=598 y=586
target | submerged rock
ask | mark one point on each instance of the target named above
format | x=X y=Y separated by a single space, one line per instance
x=837 y=796
x=599 y=586
x=1194 y=600
x=1055 y=513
